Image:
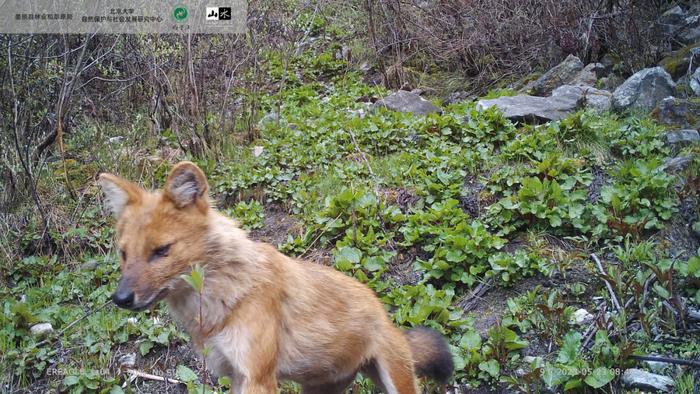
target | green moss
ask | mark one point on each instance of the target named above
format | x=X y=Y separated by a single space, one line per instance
x=676 y=63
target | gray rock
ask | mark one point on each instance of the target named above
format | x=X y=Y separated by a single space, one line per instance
x=597 y=100
x=258 y=150
x=676 y=164
x=670 y=19
x=404 y=101
x=637 y=378
x=677 y=112
x=127 y=360
x=690 y=30
x=611 y=82
x=534 y=109
x=561 y=74
x=343 y=53
x=589 y=75
x=682 y=137
x=41 y=329
x=694 y=82
x=269 y=118
x=564 y=99
x=89 y=265
x=644 y=90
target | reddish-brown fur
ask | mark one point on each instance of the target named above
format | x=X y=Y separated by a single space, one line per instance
x=265 y=316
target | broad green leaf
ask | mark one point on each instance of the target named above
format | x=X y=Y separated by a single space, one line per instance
x=185 y=374
x=553 y=376
x=569 y=349
x=599 y=377
x=145 y=347
x=71 y=380
x=491 y=367
x=470 y=340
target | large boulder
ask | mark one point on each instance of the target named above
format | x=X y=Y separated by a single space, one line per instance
x=672 y=19
x=682 y=137
x=680 y=25
x=558 y=75
x=404 y=101
x=564 y=99
x=690 y=32
x=644 y=90
x=694 y=82
x=535 y=109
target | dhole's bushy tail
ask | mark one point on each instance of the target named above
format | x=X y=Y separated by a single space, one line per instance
x=431 y=356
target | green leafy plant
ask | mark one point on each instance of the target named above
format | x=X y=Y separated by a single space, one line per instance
x=250 y=214
x=639 y=199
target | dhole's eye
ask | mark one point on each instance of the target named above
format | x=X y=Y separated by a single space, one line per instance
x=123 y=254
x=161 y=251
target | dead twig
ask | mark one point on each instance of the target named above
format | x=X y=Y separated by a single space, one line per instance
x=68 y=327
x=670 y=360
x=149 y=376
x=613 y=297
x=468 y=302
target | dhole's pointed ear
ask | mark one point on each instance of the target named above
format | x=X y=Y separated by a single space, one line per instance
x=118 y=192
x=187 y=185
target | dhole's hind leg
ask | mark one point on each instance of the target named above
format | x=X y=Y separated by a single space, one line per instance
x=328 y=388
x=392 y=368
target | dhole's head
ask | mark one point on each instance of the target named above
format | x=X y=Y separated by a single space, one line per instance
x=160 y=234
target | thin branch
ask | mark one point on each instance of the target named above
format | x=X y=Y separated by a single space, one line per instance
x=68 y=327
x=149 y=376
x=670 y=360
x=613 y=297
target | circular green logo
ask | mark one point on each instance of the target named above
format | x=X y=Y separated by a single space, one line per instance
x=180 y=13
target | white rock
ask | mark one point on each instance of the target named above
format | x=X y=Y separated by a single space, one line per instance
x=257 y=151
x=116 y=140
x=646 y=380
x=582 y=317
x=41 y=329
x=132 y=320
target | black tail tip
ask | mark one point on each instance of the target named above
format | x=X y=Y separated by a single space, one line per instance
x=431 y=354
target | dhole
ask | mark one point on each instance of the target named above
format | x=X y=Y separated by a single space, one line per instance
x=265 y=316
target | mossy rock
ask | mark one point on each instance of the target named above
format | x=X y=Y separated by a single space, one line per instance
x=679 y=113
x=677 y=62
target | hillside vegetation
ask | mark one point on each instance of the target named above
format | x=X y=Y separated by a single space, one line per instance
x=553 y=256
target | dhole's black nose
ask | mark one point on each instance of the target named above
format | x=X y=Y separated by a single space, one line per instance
x=123 y=298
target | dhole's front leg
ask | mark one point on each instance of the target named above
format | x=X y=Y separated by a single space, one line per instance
x=249 y=342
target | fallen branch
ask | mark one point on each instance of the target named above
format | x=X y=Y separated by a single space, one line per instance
x=613 y=297
x=592 y=328
x=149 y=376
x=669 y=360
